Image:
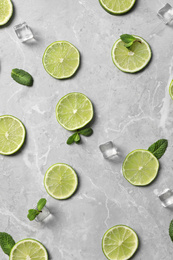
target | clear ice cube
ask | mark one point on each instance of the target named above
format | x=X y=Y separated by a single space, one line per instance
x=108 y=150
x=23 y=32
x=166 y=13
x=42 y=215
x=166 y=197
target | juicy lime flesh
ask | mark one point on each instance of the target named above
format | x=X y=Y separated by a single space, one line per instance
x=28 y=250
x=140 y=167
x=119 y=243
x=133 y=59
x=12 y=134
x=6 y=10
x=117 y=6
x=171 y=89
x=74 y=111
x=60 y=181
x=61 y=59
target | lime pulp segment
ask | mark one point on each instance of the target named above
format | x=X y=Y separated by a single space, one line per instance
x=74 y=111
x=28 y=249
x=171 y=89
x=117 y=6
x=140 y=167
x=6 y=11
x=12 y=134
x=61 y=59
x=119 y=243
x=60 y=181
x=131 y=59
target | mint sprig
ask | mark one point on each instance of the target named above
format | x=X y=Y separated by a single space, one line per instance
x=128 y=39
x=33 y=213
x=6 y=242
x=158 y=148
x=22 y=77
x=171 y=230
x=76 y=136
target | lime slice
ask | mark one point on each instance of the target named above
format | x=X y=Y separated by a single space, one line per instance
x=60 y=181
x=74 y=111
x=12 y=134
x=119 y=243
x=140 y=167
x=6 y=11
x=133 y=59
x=28 y=249
x=61 y=59
x=171 y=89
x=117 y=6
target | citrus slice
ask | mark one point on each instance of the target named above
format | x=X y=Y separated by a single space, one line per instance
x=74 y=111
x=12 y=134
x=117 y=6
x=60 y=181
x=131 y=59
x=140 y=167
x=6 y=11
x=171 y=89
x=120 y=243
x=61 y=59
x=28 y=249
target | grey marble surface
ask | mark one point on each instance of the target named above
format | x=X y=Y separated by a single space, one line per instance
x=132 y=110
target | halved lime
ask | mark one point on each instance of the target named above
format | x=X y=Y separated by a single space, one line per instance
x=60 y=181
x=171 y=89
x=6 y=11
x=61 y=59
x=74 y=111
x=120 y=243
x=12 y=134
x=117 y=6
x=133 y=59
x=140 y=167
x=28 y=249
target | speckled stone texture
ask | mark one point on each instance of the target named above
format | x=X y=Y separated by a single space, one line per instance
x=132 y=110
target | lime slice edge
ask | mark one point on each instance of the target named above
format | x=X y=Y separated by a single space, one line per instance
x=126 y=228
x=24 y=135
x=127 y=157
x=76 y=68
x=74 y=175
x=138 y=68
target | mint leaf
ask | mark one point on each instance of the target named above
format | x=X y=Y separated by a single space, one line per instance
x=41 y=204
x=158 y=148
x=86 y=132
x=6 y=242
x=32 y=213
x=171 y=230
x=77 y=138
x=22 y=77
x=71 y=139
x=128 y=39
x=127 y=45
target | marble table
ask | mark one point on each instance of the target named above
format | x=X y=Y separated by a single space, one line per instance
x=132 y=110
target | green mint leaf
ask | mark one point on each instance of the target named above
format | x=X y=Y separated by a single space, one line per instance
x=86 y=132
x=22 y=77
x=41 y=204
x=71 y=139
x=32 y=213
x=77 y=138
x=127 y=38
x=171 y=230
x=158 y=148
x=6 y=242
x=127 y=45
